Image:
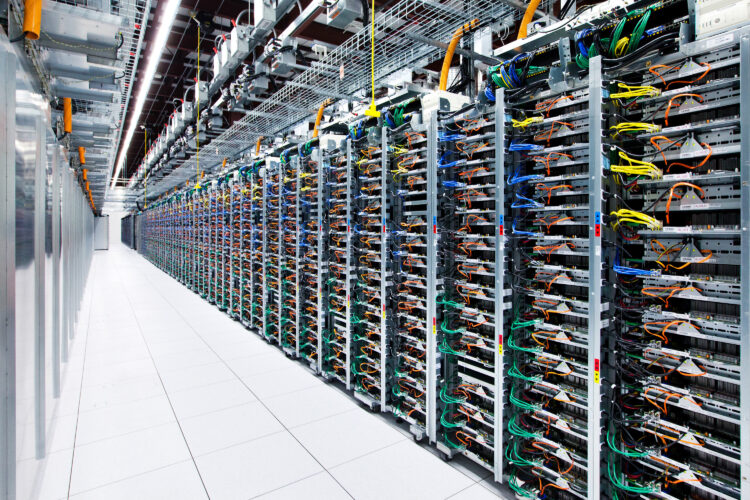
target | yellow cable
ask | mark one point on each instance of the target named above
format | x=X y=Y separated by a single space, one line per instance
x=621 y=46
x=372 y=111
x=522 y=124
x=636 y=167
x=626 y=215
x=629 y=91
x=627 y=127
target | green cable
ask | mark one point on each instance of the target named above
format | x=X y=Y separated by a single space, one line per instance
x=522 y=404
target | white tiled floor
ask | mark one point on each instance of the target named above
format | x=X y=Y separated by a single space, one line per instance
x=165 y=397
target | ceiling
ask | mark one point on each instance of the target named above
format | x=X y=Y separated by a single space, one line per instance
x=178 y=66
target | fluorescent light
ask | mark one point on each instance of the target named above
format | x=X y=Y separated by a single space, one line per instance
x=155 y=51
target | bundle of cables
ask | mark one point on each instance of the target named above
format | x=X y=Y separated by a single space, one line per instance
x=397 y=116
x=509 y=75
x=616 y=46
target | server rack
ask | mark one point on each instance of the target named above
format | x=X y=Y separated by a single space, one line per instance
x=258 y=247
x=273 y=255
x=472 y=301
x=526 y=341
x=289 y=254
x=337 y=348
x=312 y=321
x=367 y=301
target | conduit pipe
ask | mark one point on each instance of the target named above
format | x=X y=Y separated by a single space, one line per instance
x=523 y=30
x=319 y=118
x=459 y=33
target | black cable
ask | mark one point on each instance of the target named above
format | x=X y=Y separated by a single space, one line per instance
x=19 y=37
x=566 y=8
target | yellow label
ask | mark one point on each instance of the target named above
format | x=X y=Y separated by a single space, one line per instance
x=500 y=349
x=434 y=330
x=596 y=377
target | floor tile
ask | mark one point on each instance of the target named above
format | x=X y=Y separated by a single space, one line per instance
x=179 y=481
x=44 y=479
x=256 y=467
x=196 y=376
x=121 y=457
x=101 y=396
x=321 y=486
x=178 y=361
x=208 y=399
x=357 y=433
x=498 y=490
x=477 y=492
x=319 y=402
x=295 y=378
x=400 y=463
x=249 y=366
x=117 y=372
x=124 y=418
x=224 y=428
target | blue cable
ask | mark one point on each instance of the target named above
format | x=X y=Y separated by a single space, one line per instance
x=522 y=146
x=443 y=164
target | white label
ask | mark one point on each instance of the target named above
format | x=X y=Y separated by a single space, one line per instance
x=722 y=40
x=676 y=177
x=678 y=229
x=688 y=109
x=691 y=154
x=694 y=259
x=695 y=206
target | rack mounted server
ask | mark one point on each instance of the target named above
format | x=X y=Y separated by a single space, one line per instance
x=550 y=280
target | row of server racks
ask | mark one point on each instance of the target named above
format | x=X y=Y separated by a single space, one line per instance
x=549 y=282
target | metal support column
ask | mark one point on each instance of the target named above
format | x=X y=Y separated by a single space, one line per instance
x=500 y=263
x=317 y=157
x=347 y=277
x=56 y=271
x=298 y=220
x=384 y=346
x=7 y=277
x=264 y=306
x=745 y=267
x=595 y=275
x=432 y=352
x=40 y=355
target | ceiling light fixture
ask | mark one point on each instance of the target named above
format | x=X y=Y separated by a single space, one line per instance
x=154 y=56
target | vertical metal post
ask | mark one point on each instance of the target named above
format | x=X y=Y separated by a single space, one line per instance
x=56 y=272
x=745 y=267
x=347 y=278
x=250 y=260
x=318 y=159
x=595 y=275
x=65 y=334
x=500 y=263
x=432 y=352
x=384 y=346
x=264 y=212
x=8 y=277
x=280 y=255
x=40 y=211
x=298 y=221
